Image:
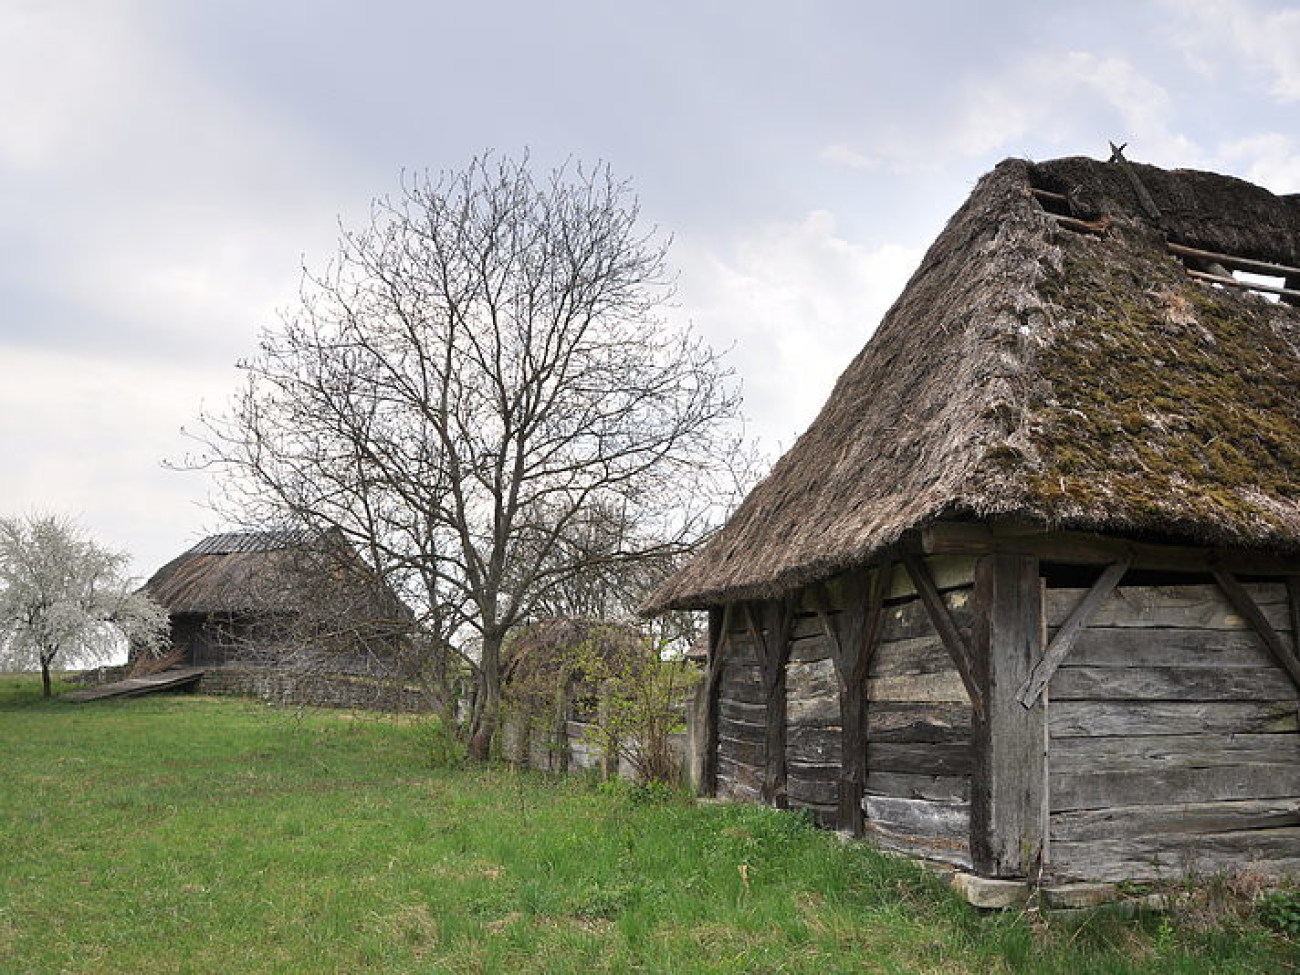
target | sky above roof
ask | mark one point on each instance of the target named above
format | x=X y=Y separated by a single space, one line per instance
x=167 y=169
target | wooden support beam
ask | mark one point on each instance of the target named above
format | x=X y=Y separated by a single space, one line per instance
x=852 y=646
x=1032 y=689
x=1236 y=263
x=1229 y=282
x=1009 y=832
x=1249 y=610
x=770 y=624
x=1082 y=226
x=949 y=634
x=1049 y=195
x=1293 y=598
x=719 y=622
x=1085 y=548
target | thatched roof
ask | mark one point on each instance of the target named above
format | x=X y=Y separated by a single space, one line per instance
x=268 y=572
x=1068 y=379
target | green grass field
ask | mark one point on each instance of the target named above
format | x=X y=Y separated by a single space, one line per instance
x=194 y=834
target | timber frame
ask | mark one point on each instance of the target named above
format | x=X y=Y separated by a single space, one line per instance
x=1003 y=653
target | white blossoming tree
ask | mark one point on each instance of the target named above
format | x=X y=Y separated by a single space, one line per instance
x=64 y=597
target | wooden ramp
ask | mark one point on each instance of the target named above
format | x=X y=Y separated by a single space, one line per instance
x=184 y=678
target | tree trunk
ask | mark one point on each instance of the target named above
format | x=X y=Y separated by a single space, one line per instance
x=488 y=711
x=46 y=690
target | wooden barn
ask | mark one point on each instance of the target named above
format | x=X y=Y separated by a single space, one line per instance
x=1025 y=597
x=252 y=597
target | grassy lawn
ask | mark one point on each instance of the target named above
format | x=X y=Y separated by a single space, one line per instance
x=193 y=834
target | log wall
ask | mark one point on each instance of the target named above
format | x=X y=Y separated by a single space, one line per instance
x=741 y=719
x=919 y=737
x=813 y=728
x=1174 y=744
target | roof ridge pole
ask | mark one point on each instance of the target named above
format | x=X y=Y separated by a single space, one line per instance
x=1143 y=197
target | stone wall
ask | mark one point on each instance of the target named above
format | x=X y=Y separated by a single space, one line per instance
x=313 y=690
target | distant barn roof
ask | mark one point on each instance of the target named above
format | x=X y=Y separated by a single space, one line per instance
x=236 y=542
x=1063 y=368
x=264 y=572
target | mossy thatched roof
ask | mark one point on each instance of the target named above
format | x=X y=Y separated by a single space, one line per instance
x=1070 y=380
x=272 y=572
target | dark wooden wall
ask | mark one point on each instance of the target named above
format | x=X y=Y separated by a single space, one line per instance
x=1170 y=728
x=1174 y=738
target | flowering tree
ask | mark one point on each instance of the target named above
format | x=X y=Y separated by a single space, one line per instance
x=64 y=596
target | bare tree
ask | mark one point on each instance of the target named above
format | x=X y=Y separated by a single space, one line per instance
x=481 y=378
x=63 y=595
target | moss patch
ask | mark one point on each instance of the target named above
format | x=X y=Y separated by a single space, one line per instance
x=1165 y=404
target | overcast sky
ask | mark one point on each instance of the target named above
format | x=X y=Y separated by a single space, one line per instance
x=166 y=167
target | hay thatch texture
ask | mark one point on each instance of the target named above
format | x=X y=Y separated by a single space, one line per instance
x=236 y=574
x=1070 y=380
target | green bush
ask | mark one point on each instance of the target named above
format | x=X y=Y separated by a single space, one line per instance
x=1280 y=911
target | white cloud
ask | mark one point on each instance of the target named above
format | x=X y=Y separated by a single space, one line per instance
x=1051 y=98
x=1241 y=38
x=842 y=155
x=1269 y=159
x=796 y=302
x=110 y=425
x=1049 y=101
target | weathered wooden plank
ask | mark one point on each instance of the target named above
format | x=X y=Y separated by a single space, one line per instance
x=948 y=572
x=939 y=688
x=744 y=751
x=1165 y=856
x=820 y=791
x=813 y=744
x=1244 y=603
x=740 y=730
x=952 y=758
x=742 y=724
x=1084 y=719
x=1173 y=751
x=1293 y=599
x=1008 y=741
x=954 y=640
x=1168 y=647
x=951 y=788
x=1171 y=684
x=736 y=688
x=900 y=722
x=909 y=620
x=1102 y=789
x=940 y=849
x=1120 y=822
x=738 y=781
x=1198 y=606
x=920 y=817
x=1063 y=641
x=823 y=710
x=806 y=648
x=743 y=711
x=919 y=655
x=1085 y=548
x=813 y=679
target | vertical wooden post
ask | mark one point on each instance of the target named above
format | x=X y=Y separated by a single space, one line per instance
x=852 y=645
x=770 y=624
x=718 y=620
x=1009 y=782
